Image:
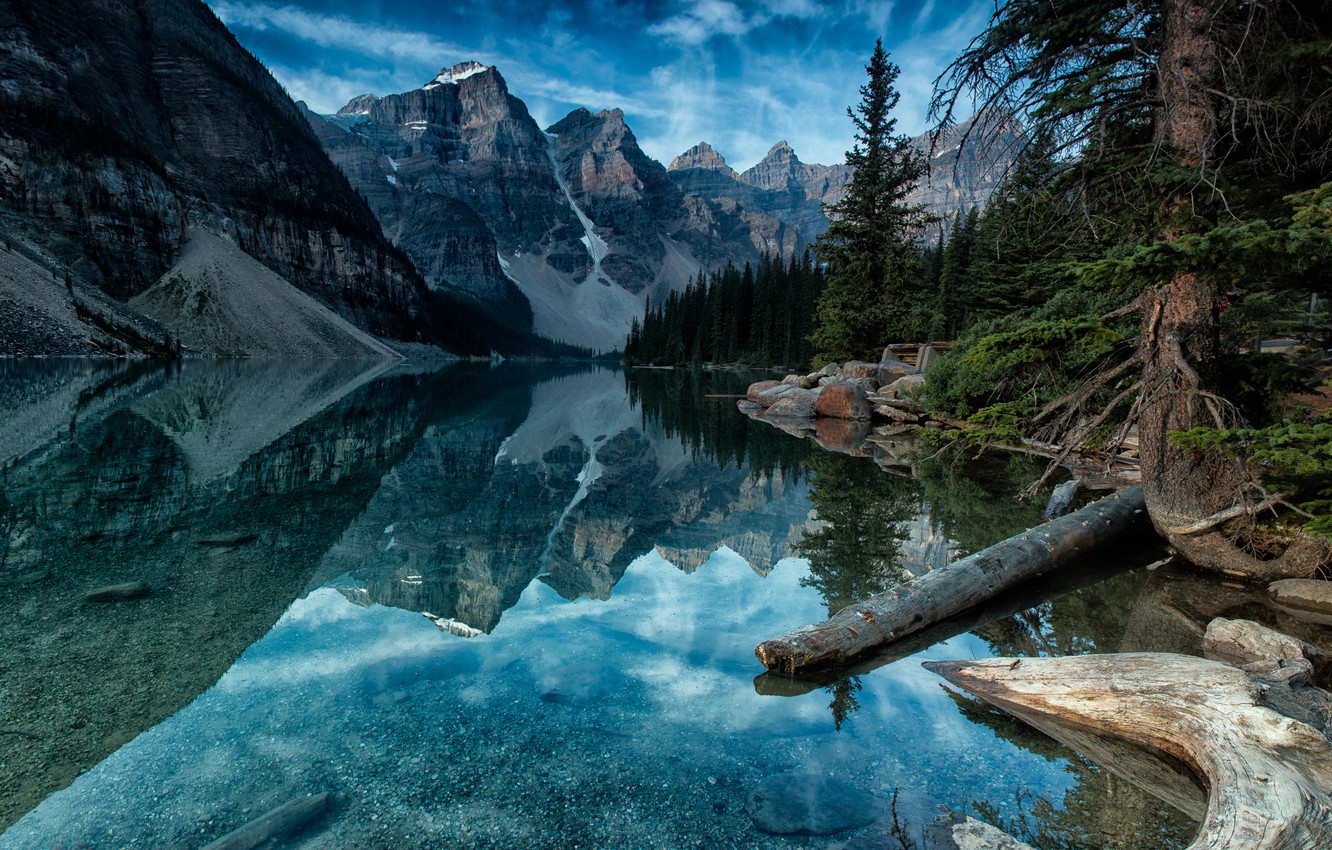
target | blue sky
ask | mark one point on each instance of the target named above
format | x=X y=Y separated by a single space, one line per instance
x=740 y=74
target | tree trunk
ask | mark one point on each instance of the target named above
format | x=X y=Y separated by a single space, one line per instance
x=1179 y=339
x=935 y=596
x=1267 y=775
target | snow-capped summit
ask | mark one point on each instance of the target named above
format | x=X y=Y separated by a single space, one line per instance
x=451 y=76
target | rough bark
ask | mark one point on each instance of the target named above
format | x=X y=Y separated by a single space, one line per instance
x=1267 y=775
x=1179 y=339
x=935 y=596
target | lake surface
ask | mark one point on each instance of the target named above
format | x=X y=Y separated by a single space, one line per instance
x=497 y=607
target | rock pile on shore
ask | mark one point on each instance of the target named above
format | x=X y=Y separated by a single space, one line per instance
x=848 y=407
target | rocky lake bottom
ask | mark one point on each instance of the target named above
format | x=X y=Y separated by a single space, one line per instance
x=508 y=607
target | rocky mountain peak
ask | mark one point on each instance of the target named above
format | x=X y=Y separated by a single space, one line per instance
x=781 y=152
x=701 y=155
x=455 y=75
x=780 y=170
x=359 y=105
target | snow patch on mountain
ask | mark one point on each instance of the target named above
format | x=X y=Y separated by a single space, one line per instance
x=452 y=76
x=596 y=247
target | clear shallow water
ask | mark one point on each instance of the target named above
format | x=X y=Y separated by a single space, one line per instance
x=616 y=546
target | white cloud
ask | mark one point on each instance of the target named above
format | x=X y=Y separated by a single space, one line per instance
x=337 y=32
x=704 y=20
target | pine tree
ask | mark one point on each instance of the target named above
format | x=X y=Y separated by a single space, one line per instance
x=955 y=274
x=870 y=246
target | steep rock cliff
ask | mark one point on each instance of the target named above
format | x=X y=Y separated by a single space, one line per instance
x=125 y=123
x=577 y=218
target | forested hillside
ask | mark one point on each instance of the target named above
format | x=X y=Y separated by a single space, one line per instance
x=758 y=317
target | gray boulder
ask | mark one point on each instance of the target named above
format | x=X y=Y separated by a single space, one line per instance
x=890 y=369
x=776 y=393
x=798 y=404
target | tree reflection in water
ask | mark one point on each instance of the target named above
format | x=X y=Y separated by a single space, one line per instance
x=854 y=553
x=860 y=547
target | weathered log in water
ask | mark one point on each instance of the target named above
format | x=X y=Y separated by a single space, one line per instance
x=1267 y=776
x=944 y=593
x=286 y=818
x=1098 y=567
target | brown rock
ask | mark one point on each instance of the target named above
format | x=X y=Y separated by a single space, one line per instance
x=843 y=400
x=897 y=414
x=860 y=369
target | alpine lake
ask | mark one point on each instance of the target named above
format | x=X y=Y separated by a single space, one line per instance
x=513 y=607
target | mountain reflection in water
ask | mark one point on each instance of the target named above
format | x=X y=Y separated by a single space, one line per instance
x=294 y=521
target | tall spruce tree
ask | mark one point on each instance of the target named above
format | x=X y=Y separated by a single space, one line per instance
x=1229 y=99
x=870 y=247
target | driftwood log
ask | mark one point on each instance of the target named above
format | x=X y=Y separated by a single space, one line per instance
x=288 y=817
x=1098 y=567
x=1267 y=776
x=938 y=595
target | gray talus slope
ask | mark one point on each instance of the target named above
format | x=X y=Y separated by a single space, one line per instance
x=218 y=300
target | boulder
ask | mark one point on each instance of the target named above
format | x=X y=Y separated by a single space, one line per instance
x=748 y=408
x=904 y=386
x=810 y=804
x=829 y=369
x=890 y=369
x=793 y=379
x=860 y=369
x=773 y=394
x=1306 y=599
x=759 y=386
x=798 y=404
x=955 y=830
x=843 y=400
x=897 y=414
x=1242 y=642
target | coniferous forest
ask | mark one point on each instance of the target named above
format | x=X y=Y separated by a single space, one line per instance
x=758 y=317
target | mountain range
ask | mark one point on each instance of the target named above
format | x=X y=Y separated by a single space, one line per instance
x=160 y=193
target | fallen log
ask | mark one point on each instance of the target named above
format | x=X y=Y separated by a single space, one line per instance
x=1267 y=775
x=286 y=818
x=944 y=593
x=1098 y=567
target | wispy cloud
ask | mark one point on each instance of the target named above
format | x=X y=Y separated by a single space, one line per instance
x=703 y=20
x=740 y=74
x=336 y=32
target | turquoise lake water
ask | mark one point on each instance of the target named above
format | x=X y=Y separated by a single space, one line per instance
x=491 y=607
